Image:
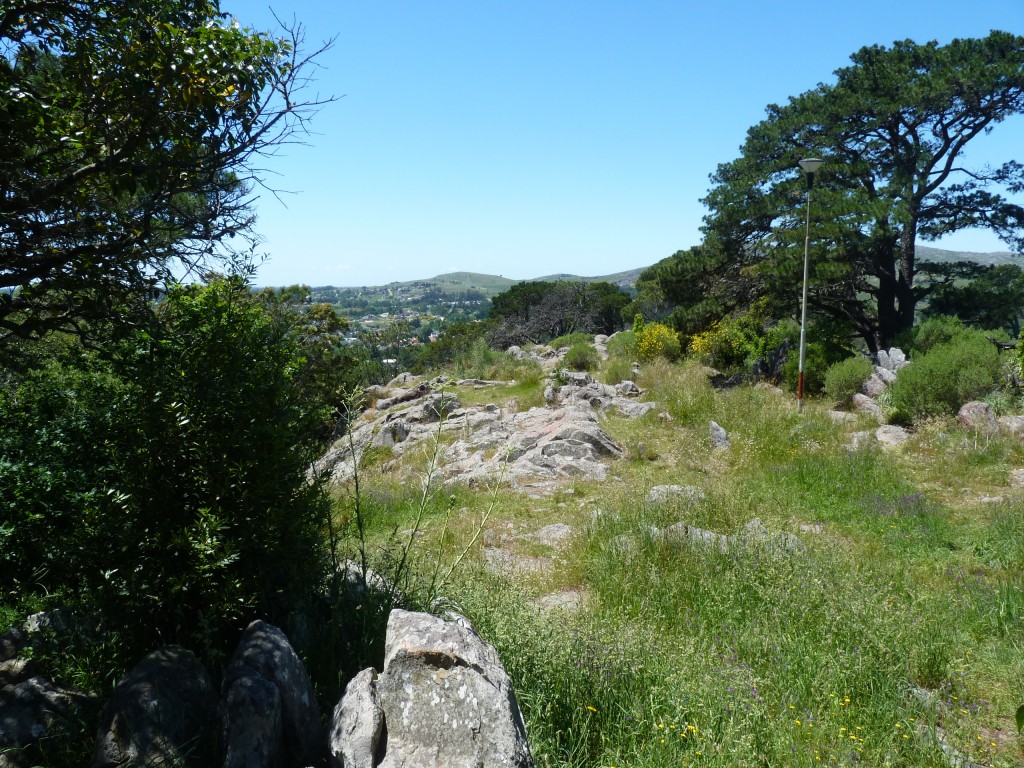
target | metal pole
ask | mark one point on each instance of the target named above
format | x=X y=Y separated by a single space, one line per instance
x=803 y=305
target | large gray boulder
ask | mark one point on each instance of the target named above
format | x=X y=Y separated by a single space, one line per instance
x=265 y=655
x=445 y=700
x=162 y=713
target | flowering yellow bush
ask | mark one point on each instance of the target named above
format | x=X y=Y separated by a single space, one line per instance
x=721 y=341
x=657 y=340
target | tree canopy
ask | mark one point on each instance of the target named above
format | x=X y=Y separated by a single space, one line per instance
x=132 y=134
x=892 y=129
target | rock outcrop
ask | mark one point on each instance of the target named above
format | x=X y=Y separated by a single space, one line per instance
x=443 y=698
x=542 y=447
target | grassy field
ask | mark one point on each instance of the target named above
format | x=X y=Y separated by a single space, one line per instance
x=895 y=639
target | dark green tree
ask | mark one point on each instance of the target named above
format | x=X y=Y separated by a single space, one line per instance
x=990 y=298
x=131 y=139
x=892 y=129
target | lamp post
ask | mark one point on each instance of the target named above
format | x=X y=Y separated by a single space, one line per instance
x=810 y=165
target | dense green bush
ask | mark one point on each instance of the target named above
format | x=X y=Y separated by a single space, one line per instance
x=845 y=378
x=168 y=478
x=581 y=357
x=945 y=377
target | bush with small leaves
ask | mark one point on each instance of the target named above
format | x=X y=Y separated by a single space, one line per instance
x=845 y=378
x=944 y=378
x=581 y=357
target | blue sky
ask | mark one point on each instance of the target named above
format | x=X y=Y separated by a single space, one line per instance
x=536 y=137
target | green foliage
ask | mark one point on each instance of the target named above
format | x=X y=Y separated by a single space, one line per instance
x=935 y=330
x=657 y=340
x=845 y=378
x=945 y=377
x=131 y=133
x=455 y=344
x=638 y=322
x=168 y=478
x=991 y=298
x=818 y=357
x=581 y=357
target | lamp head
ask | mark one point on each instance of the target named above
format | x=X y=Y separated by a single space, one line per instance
x=810 y=165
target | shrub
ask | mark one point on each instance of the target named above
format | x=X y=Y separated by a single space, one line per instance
x=944 y=378
x=845 y=378
x=170 y=480
x=623 y=345
x=656 y=340
x=934 y=331
x=581 y=357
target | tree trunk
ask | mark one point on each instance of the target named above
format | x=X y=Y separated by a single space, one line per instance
x=905 y=298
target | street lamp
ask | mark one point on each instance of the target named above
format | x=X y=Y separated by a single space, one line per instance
x=810 y=165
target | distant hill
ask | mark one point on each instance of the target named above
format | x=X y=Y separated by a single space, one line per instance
x=467 y=295
x=994 y=259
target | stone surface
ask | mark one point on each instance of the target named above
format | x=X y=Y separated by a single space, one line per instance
x=446 y=698
x=552 y=535
x=978 y=416
x=1017 y=478
x=660 y=494
x=253 y=727
x=873 y=386
x=885 y=375
x=719 y=437
x=162 y=713
x=892 y=359
x=264 y=649
x=1012 y=424
x=865 y=405
x=357 y=725
x=754 y=535
x=890 y=435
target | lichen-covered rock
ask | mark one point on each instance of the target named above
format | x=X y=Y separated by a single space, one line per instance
x=162 y=713
x=890 y=435
x=447 y=699
x=864 y=404
x=661 y=494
